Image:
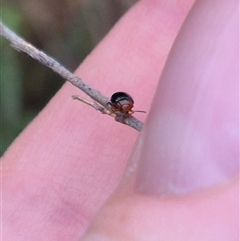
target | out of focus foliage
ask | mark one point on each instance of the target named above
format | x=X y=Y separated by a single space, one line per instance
x=67 y=30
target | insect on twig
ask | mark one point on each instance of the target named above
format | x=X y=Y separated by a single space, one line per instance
x=122 y=102
x=100 y=102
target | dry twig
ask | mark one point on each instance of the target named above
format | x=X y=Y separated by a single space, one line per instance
x=100 y=102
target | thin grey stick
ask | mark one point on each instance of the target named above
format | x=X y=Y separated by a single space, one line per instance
x=21 y=45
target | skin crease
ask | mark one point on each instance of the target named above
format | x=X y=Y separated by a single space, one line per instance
x=61 y=170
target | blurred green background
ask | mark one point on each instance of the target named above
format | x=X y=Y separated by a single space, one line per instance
x=67 y=30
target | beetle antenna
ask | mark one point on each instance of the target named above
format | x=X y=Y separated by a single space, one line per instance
x=142 y=111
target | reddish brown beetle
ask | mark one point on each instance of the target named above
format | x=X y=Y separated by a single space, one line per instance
x=122 y=102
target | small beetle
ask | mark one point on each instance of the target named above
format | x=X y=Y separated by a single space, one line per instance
x=122 y=102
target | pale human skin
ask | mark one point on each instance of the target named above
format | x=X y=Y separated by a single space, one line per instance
x=61 y=171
